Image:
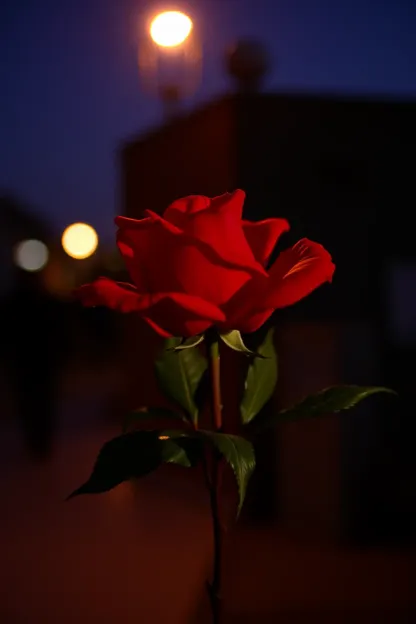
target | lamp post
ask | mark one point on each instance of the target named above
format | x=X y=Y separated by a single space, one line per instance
x=169 y=58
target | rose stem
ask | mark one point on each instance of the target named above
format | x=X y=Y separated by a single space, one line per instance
x=214 y=587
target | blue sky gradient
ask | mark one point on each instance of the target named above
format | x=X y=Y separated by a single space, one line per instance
x=70 y=91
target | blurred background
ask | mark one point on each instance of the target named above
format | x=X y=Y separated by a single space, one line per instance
x=310 y=107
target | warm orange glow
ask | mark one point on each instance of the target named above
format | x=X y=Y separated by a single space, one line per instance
x=170 y=28
x=79 y=240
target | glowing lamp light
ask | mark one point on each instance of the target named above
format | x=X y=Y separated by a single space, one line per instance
x=79 y=240
x=170 y=28
x=31 y=255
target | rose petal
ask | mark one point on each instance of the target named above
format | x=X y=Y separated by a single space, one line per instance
x=184 y=315
x=161 y=257
x=129 y=246
x=186 y=205
x=217 y=226
x=262 y=236
x=169 y=313
x=248 y=324
x=241 y=312
x=133 y=228
x=104 y=292
x=180 y=209
x=295 y=274
x=159 y=330
x=232 y=203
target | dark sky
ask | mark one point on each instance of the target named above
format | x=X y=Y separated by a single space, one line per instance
x=69 y=88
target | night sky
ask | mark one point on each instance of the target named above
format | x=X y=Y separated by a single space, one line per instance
x=70 y=92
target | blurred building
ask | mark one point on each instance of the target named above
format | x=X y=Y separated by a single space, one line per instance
x=340 y=169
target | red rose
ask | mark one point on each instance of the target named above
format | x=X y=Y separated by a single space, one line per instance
x=201 y=264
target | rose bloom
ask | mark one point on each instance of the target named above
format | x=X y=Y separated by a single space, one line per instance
x=201 y=265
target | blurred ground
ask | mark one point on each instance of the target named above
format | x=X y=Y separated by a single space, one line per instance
x=141 y=552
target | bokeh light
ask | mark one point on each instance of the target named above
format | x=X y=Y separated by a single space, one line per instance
x=79 y=240
x=31 y=255
x=170 y=29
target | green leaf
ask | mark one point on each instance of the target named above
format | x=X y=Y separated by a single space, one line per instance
x=234 y=340
x=182 y=449
x=327 y=401
x=138 y=453
x=190 y=343
x=239 y=454
x=144 y=414
x=178 y=374
x=260 y=381
x=173 y=453
x=134 y=454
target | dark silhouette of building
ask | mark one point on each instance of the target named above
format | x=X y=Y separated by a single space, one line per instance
x=16 y=224
x=341 y=170
x=33 y=341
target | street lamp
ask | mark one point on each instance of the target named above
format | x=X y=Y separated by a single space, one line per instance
x=170 y=29
x=31 y=255
x=169 y=58
x=79 y=241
